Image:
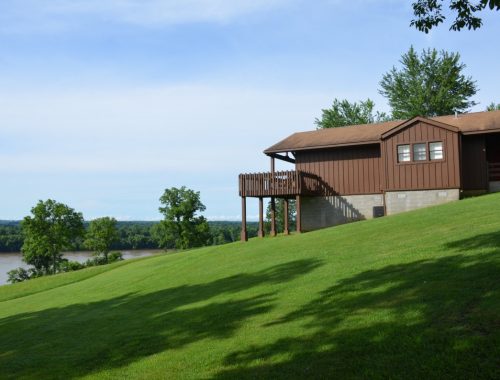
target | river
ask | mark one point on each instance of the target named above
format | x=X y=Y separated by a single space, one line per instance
x=9 y=261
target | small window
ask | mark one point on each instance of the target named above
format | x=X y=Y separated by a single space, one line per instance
x=419 y=152
x=436 y=150
x=403 y=153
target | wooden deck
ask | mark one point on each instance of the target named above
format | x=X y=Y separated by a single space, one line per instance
x=278 y=184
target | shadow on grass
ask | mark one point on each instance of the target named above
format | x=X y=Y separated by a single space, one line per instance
x=483 y=241
x=427 y=319
x=80 y=339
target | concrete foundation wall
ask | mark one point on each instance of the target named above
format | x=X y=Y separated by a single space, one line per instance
x=320 y=212
x=494 y=186
x=401 y=201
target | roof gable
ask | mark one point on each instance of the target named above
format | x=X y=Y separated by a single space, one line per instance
x=413 y=121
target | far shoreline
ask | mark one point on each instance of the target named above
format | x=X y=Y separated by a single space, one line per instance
x=85 y=251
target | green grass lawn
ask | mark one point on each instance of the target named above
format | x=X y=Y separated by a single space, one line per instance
x=416 y=295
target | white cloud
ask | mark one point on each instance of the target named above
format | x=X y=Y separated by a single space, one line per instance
x=54 y=15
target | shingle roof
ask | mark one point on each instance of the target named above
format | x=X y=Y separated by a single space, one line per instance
x=473 y=122
x=478 y=122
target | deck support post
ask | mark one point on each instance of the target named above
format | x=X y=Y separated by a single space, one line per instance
x=286 y=231
x=273 y=201
x=261 y=232
x=273 y=217
x=298 y=222
x=244 y=234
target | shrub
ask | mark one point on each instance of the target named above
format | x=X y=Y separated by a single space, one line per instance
x=115 y=256
x=18 y=275
x=95 y=261
x=101 y=260
x=70 y=266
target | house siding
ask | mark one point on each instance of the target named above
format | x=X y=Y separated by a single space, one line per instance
x=344 y=171
x=423 y=175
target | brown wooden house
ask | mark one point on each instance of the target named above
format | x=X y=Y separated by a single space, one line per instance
x=365 y=171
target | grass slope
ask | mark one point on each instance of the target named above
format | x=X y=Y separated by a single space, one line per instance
x=411 y=296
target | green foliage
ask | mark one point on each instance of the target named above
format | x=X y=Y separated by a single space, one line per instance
x=101 y=260
x=132 y=235
x=101 y=235
x=65 y=265
x=429 y=85
x=18 y=275
x=181 y=227
x=11 y=238
x=493 y=107
x=280 y=215
x=70 y=266
x=429 y=13
x=161 y=236
x=52 y=228
x=23 y=274
x=115 y=256
x=343 y=113
x=409 y=296
x=227 y=232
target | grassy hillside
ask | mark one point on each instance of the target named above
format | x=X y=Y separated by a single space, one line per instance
x=411 y=296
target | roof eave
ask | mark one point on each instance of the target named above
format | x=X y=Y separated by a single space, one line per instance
x=482 y=131
x=315 y=147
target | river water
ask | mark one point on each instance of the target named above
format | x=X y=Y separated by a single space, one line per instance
x=9 y=261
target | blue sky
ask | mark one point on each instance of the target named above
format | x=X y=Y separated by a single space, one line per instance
x=105 y=103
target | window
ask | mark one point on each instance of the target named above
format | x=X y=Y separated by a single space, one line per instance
x=436 y=150
x=403 y=153
x=419 y=152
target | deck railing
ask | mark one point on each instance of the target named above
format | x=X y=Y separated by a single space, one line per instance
x=494 y=171
x=281 y=183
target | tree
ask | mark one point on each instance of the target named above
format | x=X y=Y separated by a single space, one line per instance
x=52 y=228
x=181 y=227
x=429 y=13
x=161 y=236
x=429 y=85
x=493 y=107
x=343 y=113
x=280 y=215
x=102 y=233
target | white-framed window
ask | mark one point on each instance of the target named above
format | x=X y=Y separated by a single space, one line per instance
x=436 y=151
x=419 y=152
x=404 y=153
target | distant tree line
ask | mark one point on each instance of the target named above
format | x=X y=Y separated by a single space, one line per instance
x=11 y=238
x=228 y=232
x=131 y=235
